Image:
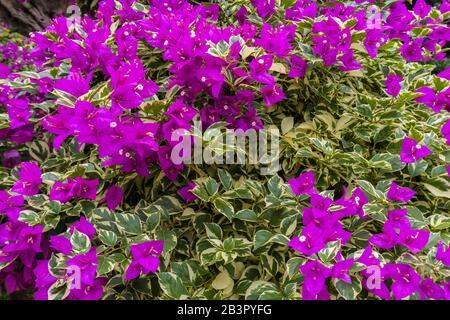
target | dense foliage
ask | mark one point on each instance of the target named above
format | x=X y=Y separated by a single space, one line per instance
x=359 y=208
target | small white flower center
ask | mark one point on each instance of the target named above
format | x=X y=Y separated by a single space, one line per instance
x=113 y=124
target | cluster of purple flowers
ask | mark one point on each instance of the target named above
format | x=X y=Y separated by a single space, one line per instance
x=81 y=271
x=22 y=247
x=322 y=226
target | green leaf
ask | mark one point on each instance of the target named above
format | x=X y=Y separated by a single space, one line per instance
x=206 y=190
x=30 y=217
x=293 y=265
x=172 y=286
x=262 y=238
x=439 y=187
x=246 y=215
x=129 y=222
x=59 y=290
x=329 y=253
x=417 y=168
x=262 y=290
x=153 y=221
x=39 y=150
x=107 y=237
x=348 y=291
x=105 y=265
x=439 y=222
x=213 y=231
x=224 y=207
x=222 y=281
x=80 y=242
x=169 y=237
x=225 y=179
x=275 y=186
x=287 y=124
x=369 y=190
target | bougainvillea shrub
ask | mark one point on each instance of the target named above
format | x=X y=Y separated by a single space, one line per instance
x=94 y=206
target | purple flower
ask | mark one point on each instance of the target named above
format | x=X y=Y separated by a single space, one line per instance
x=393 y=84
x=444 y=74
x=44 y=280
x=57 y=124
x=259 y=67
x=415 y=240
x=314 y=274
x=272 y=94
x=87 y=264
x=301 y=9
x=63 y=192
x=309 y=242
x=276 y=41
x=395 y=193
x=264 y=8
x=250 y=120
x=298 y=67
x=443 y=254
x=30 y=179
x=386 y=240
x=186 y=194
x=412 y=152
x=320 y=202
x=86 y=189
x=359 y=199
x=19 y=112
x=241 y=14
x=405 y=280
x=398 y=218
x=28 y=243
x=428 y=98
x=354 y=205
x=83 y=226
x=61 y=244
x=92 y=291
x=145 y=259
x=412 y=51
x=10 y=205
x=341 y=269
x=180 y=111
x=4 y=71
x=421 y=8
x=368 y=258
x=322 y=295
x=114 y=197
x=304 y=184
x=442 y=100
x=75 y=84
x=429 y=289
x=445 y=130
x=11 y=158
x=349 y=62
x=374 y=39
